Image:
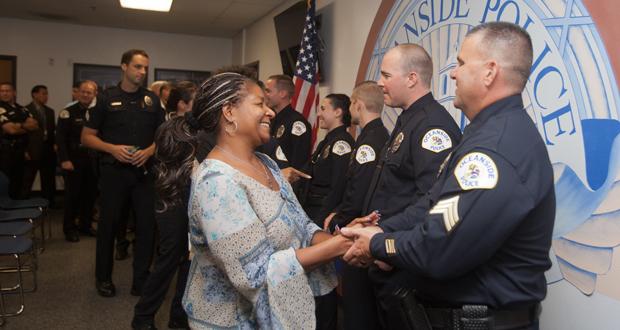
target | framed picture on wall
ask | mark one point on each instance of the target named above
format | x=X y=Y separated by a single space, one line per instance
x=173 y=75
x=8 y=69
x=104 y=75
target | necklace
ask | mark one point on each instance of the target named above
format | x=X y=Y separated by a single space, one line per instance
x=254 y=168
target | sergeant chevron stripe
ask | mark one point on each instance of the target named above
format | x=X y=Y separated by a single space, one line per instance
x=449 y=210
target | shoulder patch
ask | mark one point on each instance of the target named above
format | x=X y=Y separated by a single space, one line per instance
x=299 y=128
x=449 y=211
x=365 y=154
x=2 y=110
x=436 y=140
x=280 y=154
x=64 y=114
x=476 y=170
x=341 y=147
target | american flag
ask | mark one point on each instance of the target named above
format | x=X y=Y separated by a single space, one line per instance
x=306 y=97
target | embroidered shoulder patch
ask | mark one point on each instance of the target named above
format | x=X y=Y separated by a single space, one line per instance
x=365 y=154
x=436 y=140
x=298 y=128
x=449 y=211
x=280 y=154
x=64 y=114
x=341 y=147
x=476 y=170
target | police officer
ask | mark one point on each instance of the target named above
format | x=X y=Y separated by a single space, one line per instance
x=357 y=291
x=478 y=244
x=16 y=122
x=77 y=164
x=423 y=136
x=122 y=126
x=323 y=192
x=330 y=160
x=291 y=130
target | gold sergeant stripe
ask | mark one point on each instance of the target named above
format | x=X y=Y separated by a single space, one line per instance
x=390 y=247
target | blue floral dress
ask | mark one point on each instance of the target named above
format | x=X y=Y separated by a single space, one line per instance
x=244 y=274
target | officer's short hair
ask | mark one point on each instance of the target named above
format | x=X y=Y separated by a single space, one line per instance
x=128 y=55
x=414 y=58
x=369 y=93
x=7 y=83
x=37 y=88
x=510 y=45
x=88 y=82
x=183 y=90
x=284 y=82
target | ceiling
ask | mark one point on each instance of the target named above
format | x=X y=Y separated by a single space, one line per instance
x=216 y=18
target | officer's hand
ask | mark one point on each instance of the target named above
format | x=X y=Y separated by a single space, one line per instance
x=121 y=153
x=359 y=254
x=370 y=220
x=31 y=124
x=67 y=165
x=328 y=220
x=141 y=156
x=292 y=175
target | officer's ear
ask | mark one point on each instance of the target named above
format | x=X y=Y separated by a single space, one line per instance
x=412 y=79
x=124 y=67
x=491 y=69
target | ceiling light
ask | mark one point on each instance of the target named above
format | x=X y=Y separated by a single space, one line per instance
x=155 y=5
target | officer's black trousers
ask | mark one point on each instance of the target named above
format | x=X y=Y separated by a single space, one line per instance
x=358 y=299
x=46 y=166
x=120 y=184
x=80 y=192
x=173 y=254
x=12 y=165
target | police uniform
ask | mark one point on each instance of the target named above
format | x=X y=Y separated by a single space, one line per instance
x=126 y=119
x=273 y=148
x=294 y=137
x=41 y=151
x=423 y=136
x=328 y=168
x=357 y=294
x=80 y=183
x=13 y=147
x=482 y=235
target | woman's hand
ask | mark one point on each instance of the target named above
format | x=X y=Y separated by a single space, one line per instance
x=370 y=220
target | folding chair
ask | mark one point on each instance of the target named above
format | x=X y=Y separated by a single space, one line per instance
x=7 y=203
x=16 y=247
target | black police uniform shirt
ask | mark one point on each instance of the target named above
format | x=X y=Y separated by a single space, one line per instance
x=13 y=113
x=294 y=136
x=273 y=149
x=68 y=132
x=423 y=136
x=328 y=168
x=126 y=118
x=483 y=234
x=363 y=161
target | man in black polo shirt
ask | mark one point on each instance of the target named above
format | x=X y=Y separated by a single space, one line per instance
x=122 y=126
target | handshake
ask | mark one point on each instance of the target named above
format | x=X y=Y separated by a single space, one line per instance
x=360 y=232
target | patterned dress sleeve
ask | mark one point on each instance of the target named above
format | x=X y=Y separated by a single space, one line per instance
x=273 y=281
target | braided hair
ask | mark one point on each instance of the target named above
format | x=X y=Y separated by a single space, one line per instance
x=176 y=140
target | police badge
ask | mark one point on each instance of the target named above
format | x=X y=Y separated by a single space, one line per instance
x=280 y=132
x=397 y=141
x=148 y=101
x=326 y=152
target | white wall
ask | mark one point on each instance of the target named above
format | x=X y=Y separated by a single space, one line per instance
x=345 y=27
x=46 y=53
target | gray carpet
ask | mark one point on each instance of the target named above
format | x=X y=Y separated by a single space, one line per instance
x=66 y=297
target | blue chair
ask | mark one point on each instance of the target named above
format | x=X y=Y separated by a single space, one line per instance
x=15 y=247
x=29 y=215
x=7 y=203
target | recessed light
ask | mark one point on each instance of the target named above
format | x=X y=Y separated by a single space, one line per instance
x=155 y=5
